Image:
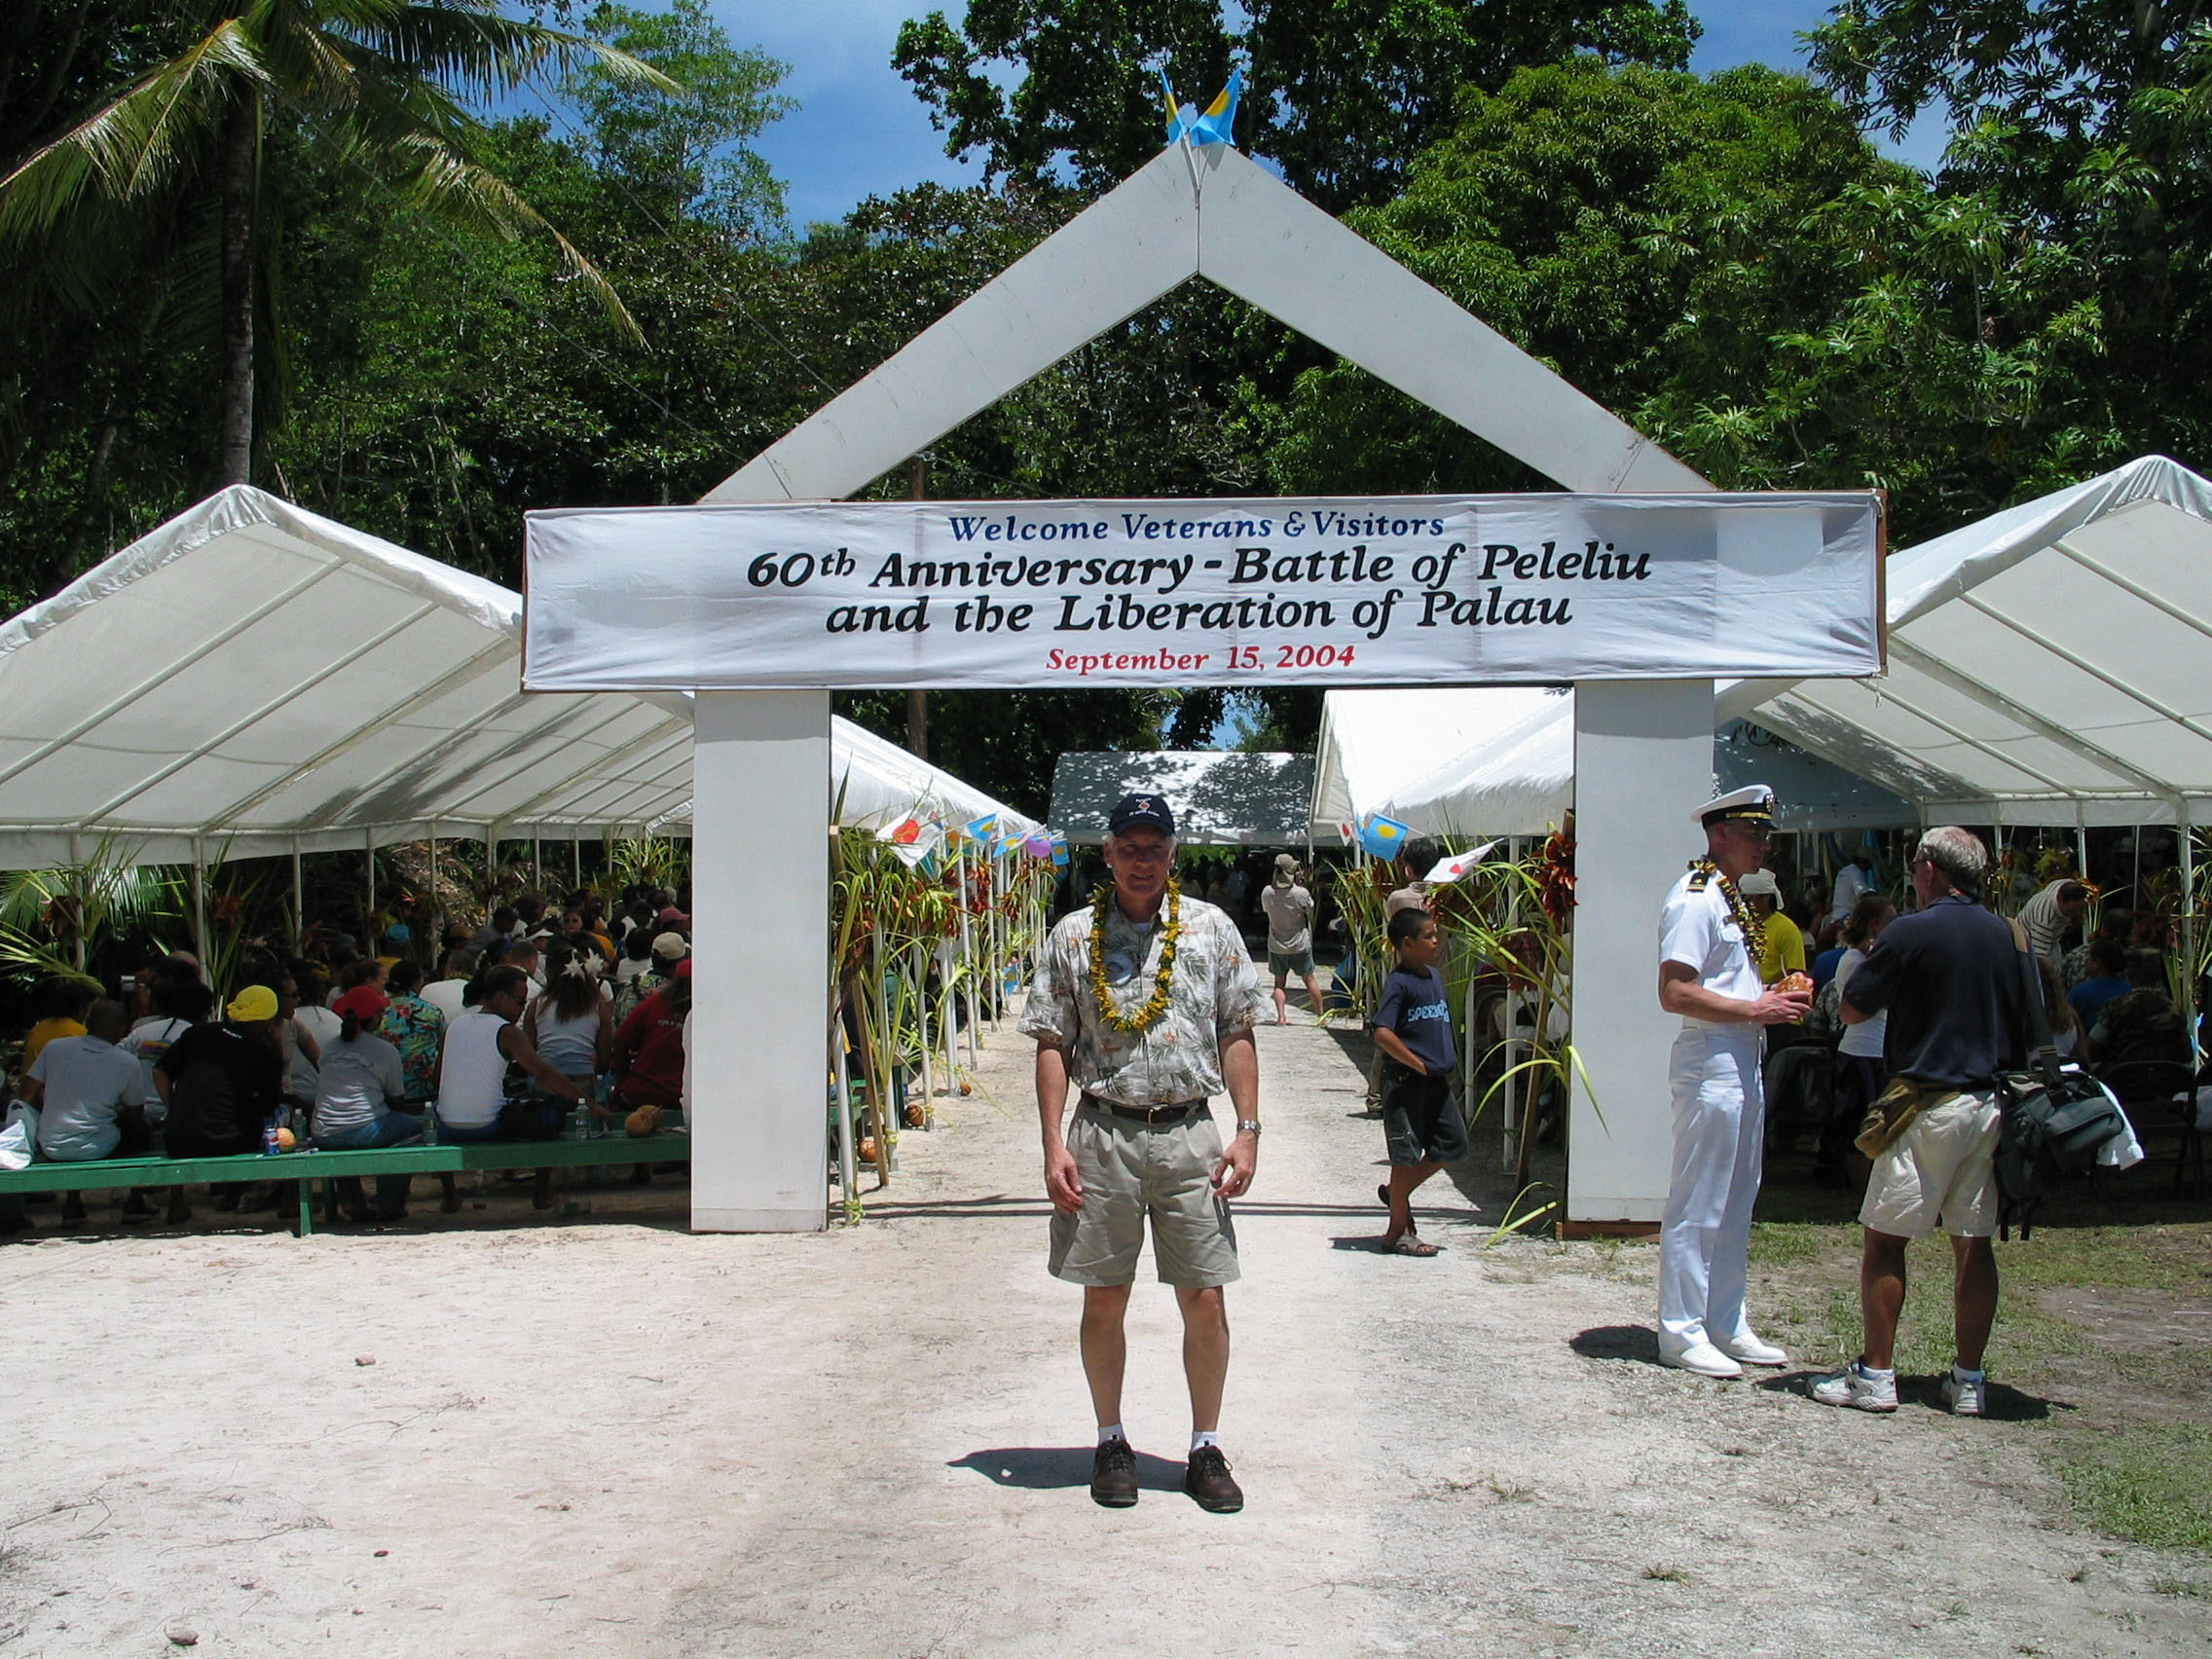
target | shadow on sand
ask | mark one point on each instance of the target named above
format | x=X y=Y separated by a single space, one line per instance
x=1054 y=1468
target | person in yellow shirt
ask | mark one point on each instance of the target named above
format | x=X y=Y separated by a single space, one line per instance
x=62 y=1005
x=1784 y=951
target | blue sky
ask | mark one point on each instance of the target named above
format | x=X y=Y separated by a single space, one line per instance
x=859 y=130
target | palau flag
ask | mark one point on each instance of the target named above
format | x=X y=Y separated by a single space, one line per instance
x=1216 y=125
x=981 y=829
x=1383 y=838
x=1059 y=851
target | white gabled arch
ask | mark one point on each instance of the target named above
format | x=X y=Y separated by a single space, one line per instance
x=1229 y=220
x=1643 y=749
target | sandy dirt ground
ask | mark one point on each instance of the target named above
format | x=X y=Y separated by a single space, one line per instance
x=593 y=1433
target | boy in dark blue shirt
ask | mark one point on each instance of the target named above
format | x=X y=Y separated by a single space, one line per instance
x=1413 y=1027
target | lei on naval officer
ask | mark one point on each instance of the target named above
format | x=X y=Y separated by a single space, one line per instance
x=1710 y=944
x=1147 y=1013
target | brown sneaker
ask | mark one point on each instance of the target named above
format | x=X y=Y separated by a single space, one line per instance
x=1113 y=1474
x=1206 y=1479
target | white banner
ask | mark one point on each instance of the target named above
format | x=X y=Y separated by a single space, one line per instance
x=1403 y=590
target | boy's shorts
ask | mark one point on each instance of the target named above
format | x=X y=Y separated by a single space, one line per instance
x=1284 y=963
x=1420 y=1121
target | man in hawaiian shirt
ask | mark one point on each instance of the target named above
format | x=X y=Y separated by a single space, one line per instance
x=1146 y=1001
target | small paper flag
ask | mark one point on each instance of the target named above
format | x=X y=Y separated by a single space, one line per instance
x=1460 y=863
x=1383 y=838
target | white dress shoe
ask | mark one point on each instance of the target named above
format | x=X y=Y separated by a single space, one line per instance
x=1705 y=1359
x=1751 y=1351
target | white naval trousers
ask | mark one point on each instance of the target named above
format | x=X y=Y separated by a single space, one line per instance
x=1720 y=1142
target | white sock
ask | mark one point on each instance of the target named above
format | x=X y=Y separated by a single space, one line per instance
x=1203 y=1437
x=1960 y=1374
x=1865 y=1369
x=1110 y=1431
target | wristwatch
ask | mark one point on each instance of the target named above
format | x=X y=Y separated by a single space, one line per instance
x=1247 y=1126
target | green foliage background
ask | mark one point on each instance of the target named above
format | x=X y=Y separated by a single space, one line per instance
x=1726 y=261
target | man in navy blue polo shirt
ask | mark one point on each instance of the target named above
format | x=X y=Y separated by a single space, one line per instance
x=1950 y=976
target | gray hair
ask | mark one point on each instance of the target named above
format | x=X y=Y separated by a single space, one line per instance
x=1958 y=852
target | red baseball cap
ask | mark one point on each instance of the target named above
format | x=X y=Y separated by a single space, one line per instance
x=366 y=1003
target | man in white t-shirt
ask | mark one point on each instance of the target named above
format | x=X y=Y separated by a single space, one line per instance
x=1853 y=882
x=445 y=994
x=1289 y=908
x=89 y=1092
x=1709 y=974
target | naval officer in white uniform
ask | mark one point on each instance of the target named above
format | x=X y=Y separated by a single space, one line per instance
x=1708 y=973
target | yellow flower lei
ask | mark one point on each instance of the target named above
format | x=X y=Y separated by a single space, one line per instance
x=1157 y=1004
x=1754 y=930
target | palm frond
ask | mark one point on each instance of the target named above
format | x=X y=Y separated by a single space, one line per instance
x=137 y=142
x=447 y=185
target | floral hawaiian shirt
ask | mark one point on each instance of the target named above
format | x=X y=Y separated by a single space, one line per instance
x=418 y=1030
x=1215 y=991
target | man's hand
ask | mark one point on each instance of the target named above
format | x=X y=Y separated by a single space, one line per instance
x=1234 y=1173
x=1062 y=1185
x=1785 y=1005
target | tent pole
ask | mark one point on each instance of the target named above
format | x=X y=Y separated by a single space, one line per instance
x=841 y=1079
x=369 y=859
x=968 y=954
x=200 y=910
x=919 y=959
x=536 y=866
x=2190 y=978
x=576 y=856
x=1508 y=1143
x=299 y=898
x=432 y=908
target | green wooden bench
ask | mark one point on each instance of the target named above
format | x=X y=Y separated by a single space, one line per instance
x=309 y=1168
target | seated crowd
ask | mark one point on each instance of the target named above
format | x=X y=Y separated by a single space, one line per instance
x=2106 y=989
x=532 y=1015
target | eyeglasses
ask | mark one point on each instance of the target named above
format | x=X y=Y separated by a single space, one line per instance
x=1141 y=854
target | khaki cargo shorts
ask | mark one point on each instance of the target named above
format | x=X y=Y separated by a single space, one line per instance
x=1131 y=1170
x=1941 y=1169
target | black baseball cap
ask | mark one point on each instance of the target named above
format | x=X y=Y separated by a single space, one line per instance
x=1133 y=811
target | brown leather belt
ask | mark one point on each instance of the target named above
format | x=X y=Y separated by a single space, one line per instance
x=1146 y=1113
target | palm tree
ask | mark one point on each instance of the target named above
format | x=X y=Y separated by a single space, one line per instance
x=379 y=82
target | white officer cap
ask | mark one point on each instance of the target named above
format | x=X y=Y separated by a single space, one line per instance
x=1754 y=801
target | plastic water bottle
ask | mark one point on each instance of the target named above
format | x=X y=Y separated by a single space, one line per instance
x=430 y=1124
x=580 y=1123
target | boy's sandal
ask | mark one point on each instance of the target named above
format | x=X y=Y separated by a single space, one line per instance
x=1383 y=1196
x=1410 y=1244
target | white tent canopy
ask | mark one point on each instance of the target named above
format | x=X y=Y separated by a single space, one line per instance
x=1220 y=797
x=1523 y=784
x=1515 y=780
x=251 y=678
x=873 y=781
x=2047 y=664
x=1374 y=743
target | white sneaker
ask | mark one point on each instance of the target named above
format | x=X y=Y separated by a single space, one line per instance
x=1751 y=1351
x=1853 y=1387
x=1705 y=1359
x=1963 y=1399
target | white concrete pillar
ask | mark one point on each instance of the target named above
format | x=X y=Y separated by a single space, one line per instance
x=761 y=985
x=1642 y=762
